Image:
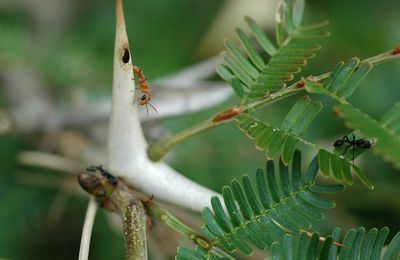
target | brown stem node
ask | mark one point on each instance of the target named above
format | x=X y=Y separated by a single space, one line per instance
x=227 y=114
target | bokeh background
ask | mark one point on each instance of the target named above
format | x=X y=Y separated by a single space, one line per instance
x=62 y=49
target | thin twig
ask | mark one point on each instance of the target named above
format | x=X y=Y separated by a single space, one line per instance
x=51 y=161
x=193 y=73
x=177 y=225
x=87 y=229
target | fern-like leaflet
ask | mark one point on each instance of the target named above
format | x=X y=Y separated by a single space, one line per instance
x=283 y=141
x=283 y=202
x=248 y=73
x=341 y=84
x=357 y=244
x=342 y=81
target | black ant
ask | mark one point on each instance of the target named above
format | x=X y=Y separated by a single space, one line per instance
x=104 y=173
x=359 y=143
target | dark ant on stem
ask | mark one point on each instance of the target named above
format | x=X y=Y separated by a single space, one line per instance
x=353 y=144
x=104 y=173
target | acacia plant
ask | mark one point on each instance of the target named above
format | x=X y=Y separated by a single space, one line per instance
x=274 y=210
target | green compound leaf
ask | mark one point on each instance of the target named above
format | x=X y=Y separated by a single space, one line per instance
x=284 y=141
x=257 y=77
x=343 y=80
x=256 y=215
x=357 y=244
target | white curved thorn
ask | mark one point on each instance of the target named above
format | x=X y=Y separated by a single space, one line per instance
x=166 y=184
x=127 y=155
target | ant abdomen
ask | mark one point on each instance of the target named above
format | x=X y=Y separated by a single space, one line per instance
x=363 y=143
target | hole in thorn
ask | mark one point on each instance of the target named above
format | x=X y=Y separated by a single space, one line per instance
x=126 y=56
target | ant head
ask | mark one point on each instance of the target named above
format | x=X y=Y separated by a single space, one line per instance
x=144 y=99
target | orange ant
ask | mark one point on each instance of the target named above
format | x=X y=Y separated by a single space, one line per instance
x=144 y=87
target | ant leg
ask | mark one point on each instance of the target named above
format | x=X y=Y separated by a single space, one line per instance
x=345 y=149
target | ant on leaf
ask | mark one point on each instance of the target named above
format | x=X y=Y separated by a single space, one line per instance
x=352 y=143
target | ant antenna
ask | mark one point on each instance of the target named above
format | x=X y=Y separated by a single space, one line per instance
x=147 y=108
x=153 y=107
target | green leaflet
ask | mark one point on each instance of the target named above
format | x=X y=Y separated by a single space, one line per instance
x=348 y=243
x=237 y=69
x=254 y=202
x=288 y=247
x=357 y=245
x=222 y=219
x=238 y=87
x=332 y=165
x=184 y=253
x=282 y=141
x=393 y=249
x=298 y=11
x=391 y=120
x=312 y=253
x=255 y=215
x=379 y=242
x=295 y=113
x=257 y=78
x=342 y=81
x=241 y=59
x=341 y=74
x=386 y=131
x=368 y=243
x=315 y=87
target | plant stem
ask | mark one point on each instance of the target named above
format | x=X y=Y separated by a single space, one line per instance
x=170 y=220
x=134 y=223
x=159 y=149
x=115 y=196
x=174 y=223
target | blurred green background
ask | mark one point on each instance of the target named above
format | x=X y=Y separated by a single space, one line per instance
x=68 y=45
